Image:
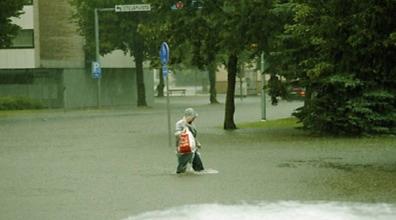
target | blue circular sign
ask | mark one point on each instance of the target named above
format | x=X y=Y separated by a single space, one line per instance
x=164 y=53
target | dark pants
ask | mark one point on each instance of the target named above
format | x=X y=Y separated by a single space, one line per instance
x=184 y=159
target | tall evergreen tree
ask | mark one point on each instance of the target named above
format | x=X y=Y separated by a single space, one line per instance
x=344 y=54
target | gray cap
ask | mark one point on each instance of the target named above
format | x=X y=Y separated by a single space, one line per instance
x=190 y=112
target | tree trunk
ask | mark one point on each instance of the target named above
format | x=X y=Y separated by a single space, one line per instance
x=229 y=123
x=161 y=85
x=212 y=82
x=141 y=91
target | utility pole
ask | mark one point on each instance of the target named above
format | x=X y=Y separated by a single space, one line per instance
x=164 y=57
x=117 y=8
x=263 y=95
x=98 y=75
x=97 y=56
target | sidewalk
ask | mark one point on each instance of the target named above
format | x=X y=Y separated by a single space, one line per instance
x=247 y=110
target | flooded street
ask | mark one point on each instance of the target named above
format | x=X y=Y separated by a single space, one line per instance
x=275 y=211
x=115 y=164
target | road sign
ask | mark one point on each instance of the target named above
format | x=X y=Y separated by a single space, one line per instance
x=135 y=7
x=96 y=70
x=164 y=53
x=179 y=5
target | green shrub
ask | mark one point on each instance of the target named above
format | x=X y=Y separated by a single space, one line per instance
x=18 y=103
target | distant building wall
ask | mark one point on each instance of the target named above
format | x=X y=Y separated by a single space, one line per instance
x=221 y=80
x=36 y=26
x=22 y=56
x=79 y=89
x=117 y=59
x=149 y=85
x=40 y=84
x=60 y=44
x=53 y=69
x=118 y=88
x=251 y=82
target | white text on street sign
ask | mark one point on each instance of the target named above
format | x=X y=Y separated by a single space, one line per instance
x=136 y=7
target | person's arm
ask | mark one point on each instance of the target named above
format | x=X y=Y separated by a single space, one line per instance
x=198 y=143
x=179 y=128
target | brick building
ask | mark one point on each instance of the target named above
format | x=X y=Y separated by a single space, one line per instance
x=47 y=62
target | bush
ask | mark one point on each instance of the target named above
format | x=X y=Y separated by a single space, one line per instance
x=18 y=103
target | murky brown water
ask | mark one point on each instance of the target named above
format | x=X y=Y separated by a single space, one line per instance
x=111 y=164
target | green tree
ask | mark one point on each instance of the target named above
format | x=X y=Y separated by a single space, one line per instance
x=8 y=30
x=248 y=26
x=191 y=37
x=221 y=28
x=343 y=53
x=123 y=31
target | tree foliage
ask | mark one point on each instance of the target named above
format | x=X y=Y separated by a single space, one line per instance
x=219 y=31
x=8 y=30
x=125 y=31
x=344 y=54
x=191 y=34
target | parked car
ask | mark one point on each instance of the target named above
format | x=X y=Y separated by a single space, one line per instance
x=298 y=91
x=295 y=93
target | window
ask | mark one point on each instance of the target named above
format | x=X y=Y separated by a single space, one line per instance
x=24 y=39
x=26 y=78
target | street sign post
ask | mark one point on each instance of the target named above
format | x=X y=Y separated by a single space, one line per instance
x=117 y=8
x=263 y=93
x=164 y=71
x=164 y=57
x=98 y=97
x=135 y=7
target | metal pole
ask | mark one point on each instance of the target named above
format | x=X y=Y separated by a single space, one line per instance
x=263 y=95
x=97 y=56
x=240 y=88
x=64 y=99
x=168 y=111
x=241 y=74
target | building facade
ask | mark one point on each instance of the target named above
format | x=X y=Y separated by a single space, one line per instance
x=249 y=83
x=47 y=62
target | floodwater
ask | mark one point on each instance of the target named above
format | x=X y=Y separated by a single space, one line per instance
x=116 y=164
x=274 y=211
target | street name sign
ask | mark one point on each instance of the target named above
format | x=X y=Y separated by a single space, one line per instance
x=135 y=7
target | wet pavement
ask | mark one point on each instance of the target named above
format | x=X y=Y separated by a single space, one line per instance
x=115 y=163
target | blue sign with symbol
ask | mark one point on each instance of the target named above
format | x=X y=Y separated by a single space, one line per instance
x=164 y=53
x=96 y=70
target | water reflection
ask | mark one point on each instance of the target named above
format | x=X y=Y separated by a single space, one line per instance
x=275 y=211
